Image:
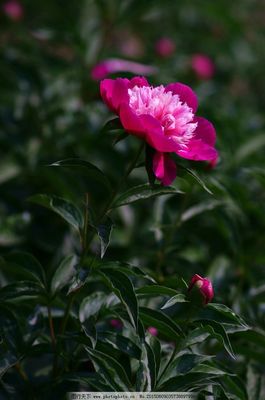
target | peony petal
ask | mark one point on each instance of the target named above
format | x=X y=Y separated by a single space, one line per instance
x=205 y=131
x=199 y=151
x=106 y=90
x=114 y=92
x=138 y=81
x=185 y=93
x=147 y=128
x=120 y=92
x=164 y=168
x=131 y=122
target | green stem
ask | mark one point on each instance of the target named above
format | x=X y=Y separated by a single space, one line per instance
x=52 y=333
x=109 y=204
x=66 y=313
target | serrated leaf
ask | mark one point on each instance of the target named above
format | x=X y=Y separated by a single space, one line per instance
x=143 y=192
x=179 y=298
x=68 y=211
x=124 y=289
x=64 y=273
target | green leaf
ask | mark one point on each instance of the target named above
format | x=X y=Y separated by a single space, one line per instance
x=200 y=208
x=110 y=369
x=197 y=178
x=104 y=232
x=165 y=325
x=7 y=361
x=179 y=298
x=198 y=335
x=126 y=268
x=156 y=348
x=228 y=313
x=24 y=265
x=90 y=169
x=64 y=273
x=143 y=192
x=156 y=290
x=217 y=331
x=182 y=364
x=19 y=289
x=68 y=211
x=89 y=328
x=122 y=343
x=123 y=288
x=91 y=305
x=146 y=373
x=112 y=124
x=184 y=383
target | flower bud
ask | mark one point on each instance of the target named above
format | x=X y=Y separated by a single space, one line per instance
x=204 y=286
x=152 y=330
x=203 y=66
x=165 y=47
x=116 y=324
x=13 y=10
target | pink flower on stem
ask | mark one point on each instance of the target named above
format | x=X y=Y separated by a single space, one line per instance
x=205 y=287
x=165 y=47
x=165 y=118
x=152 y=330
x=114 y=65
x=14 y=10
x=116 y=323
x=203 y=66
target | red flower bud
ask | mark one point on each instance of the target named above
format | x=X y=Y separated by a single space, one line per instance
x=152 y=330
x=205 y=287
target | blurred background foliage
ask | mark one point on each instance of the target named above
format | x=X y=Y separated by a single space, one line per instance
x=50 y=110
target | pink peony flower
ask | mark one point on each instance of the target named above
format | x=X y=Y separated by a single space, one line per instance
x=165 y=118
x=111 y=66
x=165 y=47
x=116 y=323
x=205 y=287
x=14 y=10
x=203 y=66
x=152 y=330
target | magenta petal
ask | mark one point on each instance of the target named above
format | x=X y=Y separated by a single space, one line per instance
x=106 y=90
x=164 y=168
x=147 y=128
x=120 y=93
x=131 y=122
x=138 y=81
x=205 y=131
x=155 y=136
x=185 y=93
x=199 y=151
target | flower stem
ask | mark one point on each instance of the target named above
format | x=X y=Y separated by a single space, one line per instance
x=52 y=333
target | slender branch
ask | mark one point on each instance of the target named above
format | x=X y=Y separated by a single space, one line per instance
x=52 y=333
x=66 y=313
